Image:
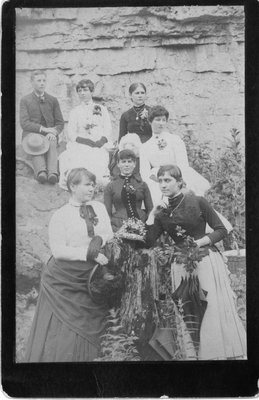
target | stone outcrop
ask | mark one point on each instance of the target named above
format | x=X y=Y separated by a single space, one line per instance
x=190 y=58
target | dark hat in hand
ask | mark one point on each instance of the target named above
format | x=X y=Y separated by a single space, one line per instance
x=35 y=144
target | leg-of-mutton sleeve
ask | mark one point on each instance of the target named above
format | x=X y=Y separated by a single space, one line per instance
x=212 y=218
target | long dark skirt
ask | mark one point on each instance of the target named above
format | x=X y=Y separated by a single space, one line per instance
x=67 y=324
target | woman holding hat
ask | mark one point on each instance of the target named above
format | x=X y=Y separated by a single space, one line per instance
x=67 y=324
x=126 y=193
x=135 y=120
x=88 y=132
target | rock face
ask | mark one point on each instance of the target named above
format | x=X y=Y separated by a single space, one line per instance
x=191 y=60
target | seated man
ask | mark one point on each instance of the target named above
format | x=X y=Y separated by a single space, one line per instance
x=40 y=113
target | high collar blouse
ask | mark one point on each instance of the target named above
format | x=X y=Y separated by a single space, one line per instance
x=68 y=236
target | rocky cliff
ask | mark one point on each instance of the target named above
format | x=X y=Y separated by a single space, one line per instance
x=190 y=58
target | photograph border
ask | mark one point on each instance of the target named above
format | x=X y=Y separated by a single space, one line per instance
x=142 y=379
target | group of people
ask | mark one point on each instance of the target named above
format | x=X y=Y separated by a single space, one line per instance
x=145 y=175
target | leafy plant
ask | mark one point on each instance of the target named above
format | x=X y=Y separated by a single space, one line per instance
x=226 y=173
x=116 y=345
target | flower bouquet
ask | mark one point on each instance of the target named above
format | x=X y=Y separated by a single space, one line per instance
x=132 y=229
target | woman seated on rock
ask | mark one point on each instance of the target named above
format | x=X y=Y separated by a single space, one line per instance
x=67 y=324
x=184 y=216
x=130 y=141
x=135 y=120
x=166 y=148
x=126 y=193
x=89 y=130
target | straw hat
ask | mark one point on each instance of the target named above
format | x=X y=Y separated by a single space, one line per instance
x=35 y=144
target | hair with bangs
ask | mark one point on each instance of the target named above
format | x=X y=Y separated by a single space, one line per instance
x=76 y=176
x=173 y=171
x=126 y=154
x=157 y=111
x=85 y=83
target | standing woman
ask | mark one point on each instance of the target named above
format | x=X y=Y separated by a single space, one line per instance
x=124 y=195
x=88 y=133
x=67 y=324
x=222 y=335
x=135 y=120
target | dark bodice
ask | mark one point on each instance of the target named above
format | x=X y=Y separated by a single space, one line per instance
x=130 y=124
x=115 y=202
x=190 y=213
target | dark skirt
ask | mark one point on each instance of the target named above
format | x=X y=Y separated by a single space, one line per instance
x=67 y=324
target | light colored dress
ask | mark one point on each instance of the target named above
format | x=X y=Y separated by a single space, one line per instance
x=84 y=123
x=67 y=323
x=171 y=150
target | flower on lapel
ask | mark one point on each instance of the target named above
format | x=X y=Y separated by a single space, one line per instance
x=162 y=143
x=97 y=110
x=144 y=114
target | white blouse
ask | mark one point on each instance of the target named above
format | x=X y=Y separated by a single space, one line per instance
x=81 y=116
x=68 y=237
x=151 y=157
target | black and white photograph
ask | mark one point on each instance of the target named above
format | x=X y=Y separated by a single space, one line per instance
x=130 y=184
x=130 y=165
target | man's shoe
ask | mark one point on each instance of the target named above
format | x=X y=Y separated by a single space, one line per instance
x=42 y=177
x=52 y=179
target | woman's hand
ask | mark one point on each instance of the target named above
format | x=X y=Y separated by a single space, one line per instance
x=101 y=259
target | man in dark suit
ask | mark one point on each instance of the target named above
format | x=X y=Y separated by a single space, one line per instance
x=40 y=113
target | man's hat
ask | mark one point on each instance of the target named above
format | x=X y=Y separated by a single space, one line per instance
x=35 y=144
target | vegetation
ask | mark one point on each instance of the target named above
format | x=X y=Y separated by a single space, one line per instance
x=226 y=173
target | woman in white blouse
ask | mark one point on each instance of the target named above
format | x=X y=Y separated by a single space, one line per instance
x=88 y=135
x=165 y=148
x=67 y=324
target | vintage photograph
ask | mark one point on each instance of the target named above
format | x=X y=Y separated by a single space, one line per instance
x=130 y=184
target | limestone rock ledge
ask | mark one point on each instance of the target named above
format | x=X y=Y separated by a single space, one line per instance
x=191 y=58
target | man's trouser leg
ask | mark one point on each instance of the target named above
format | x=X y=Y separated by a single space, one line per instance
x=52 y=158
x=39 y=164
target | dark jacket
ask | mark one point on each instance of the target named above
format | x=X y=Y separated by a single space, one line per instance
x=113 y=199
x=190 y=213
x=34 y=113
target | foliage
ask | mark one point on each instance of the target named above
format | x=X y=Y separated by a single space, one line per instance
x=226 y=173
x=116 y=345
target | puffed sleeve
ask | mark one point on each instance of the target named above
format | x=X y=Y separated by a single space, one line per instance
x=123 y=127
x=72 y=126
x=107 y=126
x=212 y=218
x=57 y=240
